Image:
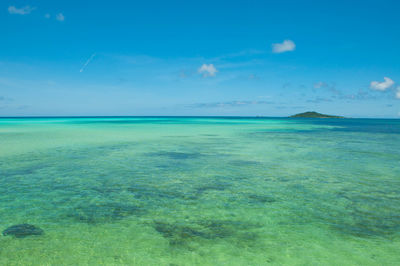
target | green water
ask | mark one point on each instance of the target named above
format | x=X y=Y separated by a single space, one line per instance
x=200 y=191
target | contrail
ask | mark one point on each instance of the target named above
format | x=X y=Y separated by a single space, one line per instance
x=87 y=62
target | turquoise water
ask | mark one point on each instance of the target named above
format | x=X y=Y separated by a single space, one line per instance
x=200 y=191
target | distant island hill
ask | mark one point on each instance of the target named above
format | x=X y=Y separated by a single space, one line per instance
x=314 y=115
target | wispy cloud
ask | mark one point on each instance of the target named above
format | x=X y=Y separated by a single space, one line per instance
x=331 y=87
x=319 y=100
x=60 y=17
x=20 y=11
x=398 y=93
x=136 y=59
x=337 y=94
x=243 y=53
x=253 y=76
x=382 y=86
x=290 y=107
x=229 y=104
x=4 y=99
x=28 y=9
x=87 y=62
x=285 y=46
x=208 y=70
x=360 y=95
x=319 y=85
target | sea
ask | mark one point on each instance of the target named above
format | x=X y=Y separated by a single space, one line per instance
x=199 y=191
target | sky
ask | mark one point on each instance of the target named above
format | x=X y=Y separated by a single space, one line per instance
x=199 y=58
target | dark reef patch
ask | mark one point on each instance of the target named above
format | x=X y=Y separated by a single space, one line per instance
x=23 y=230
x=183 y=234
x=156 y=193
x=123 y=121
x=22 y=170
x=241 y=233
x=235 y=226
x=366 y=215
x=215 y=184
x=178 y=235
x=104 y=190
x=366 y=224
x=177 y=136
x=176 y=155
x=244 y=163
x=218 y=229
x=104 y=213
x=216 y=187
x=261 y=198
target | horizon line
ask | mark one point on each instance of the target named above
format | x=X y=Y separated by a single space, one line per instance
x=185 y=116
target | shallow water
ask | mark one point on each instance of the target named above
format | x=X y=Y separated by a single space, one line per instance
x=200 y=191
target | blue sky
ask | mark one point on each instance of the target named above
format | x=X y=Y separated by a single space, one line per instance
x=270 y=58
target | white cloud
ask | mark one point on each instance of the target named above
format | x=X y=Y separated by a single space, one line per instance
x=60 y=17
x=286 y=46
x=319 y=85
x=253 y=76
x=382 y=86
x=398 y=92
x=208 y=70
x=47 y=15
x=20 y=11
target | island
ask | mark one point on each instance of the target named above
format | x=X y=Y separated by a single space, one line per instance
x=314 y=115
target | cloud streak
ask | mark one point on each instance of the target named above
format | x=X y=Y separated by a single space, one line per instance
x=326 y=86
x=20 y=11
x=87 y=62
x=319 y=100
x=382 y=86
x=338 y=94
x=285 y=46
x=229 y=104
x=398 y=93
x=5 y=99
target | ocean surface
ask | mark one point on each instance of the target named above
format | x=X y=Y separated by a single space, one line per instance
x=200 y=191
